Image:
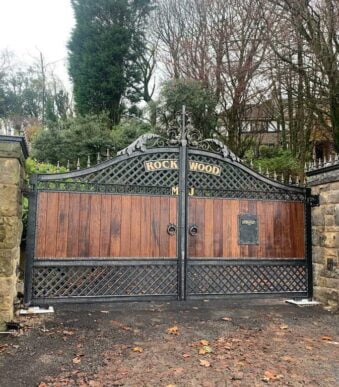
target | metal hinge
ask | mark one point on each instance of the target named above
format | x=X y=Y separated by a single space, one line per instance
x=313 y=201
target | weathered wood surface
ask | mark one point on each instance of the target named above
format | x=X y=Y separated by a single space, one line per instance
x=81 y=225
x=281 y=229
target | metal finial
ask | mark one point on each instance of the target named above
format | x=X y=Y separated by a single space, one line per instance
x=336 y=157
x=260 y=171
x=319 y=163
x=282 y=180
x=68 y=166
x=88 y=161
x=98 y=158
x=78 y=164
x=267 y=173
x=107 y=154
x=275 y=175
x=183 y=128
x=58 y=167
x=331 y=160
x=305 y=167
x=297 y=181
x=290 y=181
x=251 y=163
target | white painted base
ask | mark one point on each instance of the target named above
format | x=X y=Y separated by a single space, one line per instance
x=36 y=310
x=303 y=302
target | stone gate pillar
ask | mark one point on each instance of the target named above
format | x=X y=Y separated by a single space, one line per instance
x=324 y=181
x=13 y=152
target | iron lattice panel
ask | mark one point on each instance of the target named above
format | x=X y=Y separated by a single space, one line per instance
x=102 y=281
x=128 y=174
x=234 y=182
x=245 y=279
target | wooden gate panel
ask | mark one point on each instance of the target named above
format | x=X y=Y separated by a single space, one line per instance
x=281 y=229
x=81 y=225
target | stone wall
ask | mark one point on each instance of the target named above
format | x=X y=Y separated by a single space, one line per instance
x=13 y=152
x=325 y=234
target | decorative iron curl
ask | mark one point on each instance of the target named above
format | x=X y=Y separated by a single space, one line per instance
x=216 y=146
x=143 y=142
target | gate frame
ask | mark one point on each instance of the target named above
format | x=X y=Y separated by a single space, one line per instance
x=181 y=148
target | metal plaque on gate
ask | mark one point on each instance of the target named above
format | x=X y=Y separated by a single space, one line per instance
x=248 y=229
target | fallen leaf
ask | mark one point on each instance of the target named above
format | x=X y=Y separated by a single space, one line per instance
x=326 y=338
x=271 y=376
x=309 y=348
x=227 y=318
x=68 y=333
x=186 y=355
x=76 y=360
x=137 y=349
x=171 y=385
x=205 y=349
x=287 y=358
x=104 y=311
x=284 y=326
x=173 y=330
x=205 y=363
x=204 y=342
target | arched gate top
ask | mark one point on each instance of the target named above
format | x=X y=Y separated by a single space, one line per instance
x=150 y=165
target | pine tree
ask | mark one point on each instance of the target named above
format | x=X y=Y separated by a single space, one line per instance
x=106 y=42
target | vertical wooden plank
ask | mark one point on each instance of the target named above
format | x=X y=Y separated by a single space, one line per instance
x=115 y=228
x=209 y=221
x=73 y=225
x=262 y=229
x=164 y=221
x=218 y=228
x=253 y=249
x=135 y=226
x=105 y=226
x=41 y=225
x=51 y=224
x=145 y=243
x=301 y=227
x=231 y=247
x=155 y=226
x=62 y=232
x=243 y=209
x=279 y=217
x=269 y=222
x=125 y=241
x=200 y=217
x=84 y=225
x=297 y=229
x=94 y=228
x=173 y=219
x=191 y=242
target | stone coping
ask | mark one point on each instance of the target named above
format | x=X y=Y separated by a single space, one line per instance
x=17 y=139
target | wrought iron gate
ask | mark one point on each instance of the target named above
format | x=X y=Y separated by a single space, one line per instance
x=169 y=219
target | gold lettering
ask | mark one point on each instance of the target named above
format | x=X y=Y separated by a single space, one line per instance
x=216 y=170
x=166 y=164
x=201 y=167
x=194 y=166
x=175 y=190
x=209 y=168
x=157 y=164
x=191 y=191
x=174 y=164
x=149 y=166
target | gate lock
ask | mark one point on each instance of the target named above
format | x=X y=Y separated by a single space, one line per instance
x=193 y=230
x=171 y=229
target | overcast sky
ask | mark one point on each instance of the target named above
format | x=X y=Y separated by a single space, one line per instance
x=27 y=26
